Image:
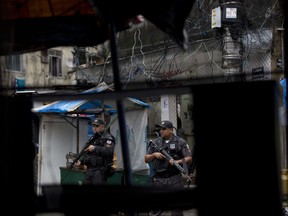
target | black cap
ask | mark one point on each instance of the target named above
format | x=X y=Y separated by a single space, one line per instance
x=165 y=124
x=98 y=122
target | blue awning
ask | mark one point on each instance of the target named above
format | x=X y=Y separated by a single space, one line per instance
x=84 y=106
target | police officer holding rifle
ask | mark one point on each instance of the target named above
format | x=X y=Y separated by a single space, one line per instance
x=169 y=154
x=98 y=155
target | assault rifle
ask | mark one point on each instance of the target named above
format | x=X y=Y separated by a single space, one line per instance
x=83 y=150
x=92 y=139
x=168 y=157
x=89 y=142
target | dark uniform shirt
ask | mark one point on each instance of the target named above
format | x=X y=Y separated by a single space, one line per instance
x=166 y=175
x=99 y=160
x=176 y=147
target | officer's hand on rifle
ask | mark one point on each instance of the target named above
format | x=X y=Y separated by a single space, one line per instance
x=158 y=155
x=191 y=175
x=77 y=163
x=171 y=162
x=90 y=148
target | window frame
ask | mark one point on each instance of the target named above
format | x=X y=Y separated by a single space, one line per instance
x=13 y=62
x=55 y=62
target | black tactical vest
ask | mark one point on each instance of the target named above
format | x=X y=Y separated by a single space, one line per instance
x=172 y=149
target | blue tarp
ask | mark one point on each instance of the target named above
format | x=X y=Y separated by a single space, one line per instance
x=68 y=106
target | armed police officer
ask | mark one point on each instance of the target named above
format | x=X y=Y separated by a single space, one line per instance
x=165 y=172
x=99 y=155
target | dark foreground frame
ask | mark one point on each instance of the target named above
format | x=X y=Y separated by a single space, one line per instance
x=237 y=146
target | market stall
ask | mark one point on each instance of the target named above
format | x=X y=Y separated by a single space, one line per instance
x=65 y=126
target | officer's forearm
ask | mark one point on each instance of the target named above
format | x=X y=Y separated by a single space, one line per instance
x=149 y=157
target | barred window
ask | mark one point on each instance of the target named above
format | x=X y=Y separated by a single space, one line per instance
x=55 y=63
x=13 y=63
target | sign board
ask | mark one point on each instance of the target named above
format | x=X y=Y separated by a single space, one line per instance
x=216 y=17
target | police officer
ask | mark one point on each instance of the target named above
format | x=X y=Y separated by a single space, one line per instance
x=99 y=155
x=165 y=173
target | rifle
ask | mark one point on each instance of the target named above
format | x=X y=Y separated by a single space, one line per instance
x=92 y=139
x=83 y=150
x=168 y=157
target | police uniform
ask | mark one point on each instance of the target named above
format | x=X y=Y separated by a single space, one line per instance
x=99 y=160
x=166 y=175
x=177 y=148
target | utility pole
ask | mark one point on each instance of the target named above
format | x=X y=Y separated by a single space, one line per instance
x=227 y=19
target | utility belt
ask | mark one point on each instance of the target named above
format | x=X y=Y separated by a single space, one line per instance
x=165 y=174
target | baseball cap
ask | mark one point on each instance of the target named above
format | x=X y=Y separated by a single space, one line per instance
x=98 y=122
x=165 y=124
